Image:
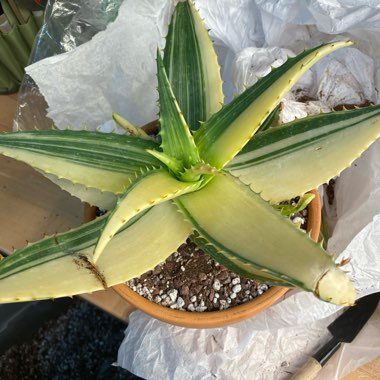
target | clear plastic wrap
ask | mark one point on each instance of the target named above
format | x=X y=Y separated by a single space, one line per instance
x=116 y=71
x=67 y=24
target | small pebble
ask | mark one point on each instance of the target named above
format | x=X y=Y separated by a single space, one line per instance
x=216 y=285
x=180 y=302
x=236 y=281
x=233 y=295
x=185 y=290
x=191 y=307
x=177 y=283
x=298 y=219
x=236 y=288
x=193 y=298
x=173 y=294
x=222 y=275
x=166 y=302
x=197 y=289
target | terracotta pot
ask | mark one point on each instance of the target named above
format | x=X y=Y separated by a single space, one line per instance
x=224 y=317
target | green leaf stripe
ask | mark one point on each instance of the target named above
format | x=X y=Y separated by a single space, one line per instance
x=270 y=121
x=119 y=153
x=283 y=140
x=177 y=141
x=235 y=265
x=215 y=126
x=56 y=246
x=183 y=63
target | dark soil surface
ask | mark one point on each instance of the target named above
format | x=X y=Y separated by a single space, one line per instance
x=80 y=344
x=191 y=280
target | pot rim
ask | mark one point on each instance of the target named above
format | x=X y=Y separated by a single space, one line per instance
x=210 y=319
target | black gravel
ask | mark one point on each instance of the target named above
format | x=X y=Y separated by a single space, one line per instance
x=82 y=343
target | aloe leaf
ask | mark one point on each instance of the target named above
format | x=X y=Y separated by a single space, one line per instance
x=130 y=128
x=102 y=199
x=173 y=164
x=237 y=221
x=270 y=121
x=102 y=161
x=289 y=160
x=62 y=265
x=287 y=208
x=223 y=136
x=149 y=189
x=200 y=169
x=177 y=141
x=192 y=66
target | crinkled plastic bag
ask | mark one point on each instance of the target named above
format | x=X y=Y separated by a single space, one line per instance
x=122 y=66
x=67 y=24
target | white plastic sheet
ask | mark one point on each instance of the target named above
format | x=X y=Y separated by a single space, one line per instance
x=116 y=72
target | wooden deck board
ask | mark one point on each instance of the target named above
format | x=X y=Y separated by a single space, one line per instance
x=31 y=205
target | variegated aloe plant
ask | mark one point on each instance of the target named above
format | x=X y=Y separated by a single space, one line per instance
x=208 y=164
